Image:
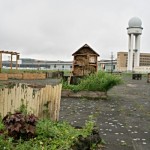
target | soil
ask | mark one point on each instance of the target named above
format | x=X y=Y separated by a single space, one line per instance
x=123 y=120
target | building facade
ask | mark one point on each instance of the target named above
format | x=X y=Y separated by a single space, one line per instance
x=27 y=63
x=33 y=64
x=107 y=65
x=122 y=60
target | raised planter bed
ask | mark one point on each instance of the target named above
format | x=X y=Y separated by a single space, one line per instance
x=86 y=94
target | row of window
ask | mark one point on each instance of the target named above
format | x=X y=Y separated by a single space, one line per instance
x=38 y=66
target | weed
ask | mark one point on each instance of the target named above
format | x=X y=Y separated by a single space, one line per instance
x=100 y=81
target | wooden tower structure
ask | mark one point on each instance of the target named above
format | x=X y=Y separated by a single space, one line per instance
x=85 y=61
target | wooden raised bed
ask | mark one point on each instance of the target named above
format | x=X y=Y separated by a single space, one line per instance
x=86 y=94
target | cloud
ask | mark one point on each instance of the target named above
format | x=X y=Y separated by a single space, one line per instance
x=54 y=29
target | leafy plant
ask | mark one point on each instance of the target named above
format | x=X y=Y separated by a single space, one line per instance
x=100 y=81
x=2 y=127
x=48 y=134
x=23 y=108
x=19 y=125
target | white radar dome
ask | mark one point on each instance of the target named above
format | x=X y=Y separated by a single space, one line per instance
x=135 y=22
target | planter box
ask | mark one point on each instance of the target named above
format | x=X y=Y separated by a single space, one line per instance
x=3 y=76
x=86 y=94
x=34 y=76
x=15 y=76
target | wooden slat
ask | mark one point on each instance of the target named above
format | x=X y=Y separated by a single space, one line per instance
x=11 y=100
x=1 y=102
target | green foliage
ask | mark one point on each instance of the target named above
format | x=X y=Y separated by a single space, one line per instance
x=23 y=108
x=49 y=136
x=6 y=143
x=74 y=88
x=100 y=81
x=1 y=125
x=19 y=125
x=61 y=135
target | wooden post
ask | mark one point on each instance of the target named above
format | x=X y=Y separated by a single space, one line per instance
x=17 y=58
x=0 y=62
x=11 y=63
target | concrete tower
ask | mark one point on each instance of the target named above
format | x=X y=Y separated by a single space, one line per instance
x=134 y=32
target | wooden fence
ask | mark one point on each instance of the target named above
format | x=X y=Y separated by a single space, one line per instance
x=43 y=102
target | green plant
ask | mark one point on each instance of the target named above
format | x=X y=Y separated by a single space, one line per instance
x=6 y=143
x=22 y=108
x=49 y=135
x=2 y=127
x=100 y=81
x=19 y=125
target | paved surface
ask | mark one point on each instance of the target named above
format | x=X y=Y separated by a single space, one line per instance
x=123 y=120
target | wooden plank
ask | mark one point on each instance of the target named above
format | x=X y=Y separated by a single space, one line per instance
x=58 y=101
x=29 y=99
x=41 y=104
x=9 y=108
x=55 y=102
x=36 y=103
x=16 y=103
x=50 y=100
x=5 y=101
x=1 y=102
x=13 y=97
x=25 y=95
x=19 y=95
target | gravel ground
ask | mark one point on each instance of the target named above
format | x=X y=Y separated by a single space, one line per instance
x=123 y=120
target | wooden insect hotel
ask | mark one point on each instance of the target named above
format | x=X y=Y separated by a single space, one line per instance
x=85 y=61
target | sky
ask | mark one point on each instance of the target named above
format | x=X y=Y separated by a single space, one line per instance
x=55 y=29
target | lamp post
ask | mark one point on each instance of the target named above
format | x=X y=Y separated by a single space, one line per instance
x=112 y=62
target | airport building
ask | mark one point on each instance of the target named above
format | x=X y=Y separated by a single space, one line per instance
x=122 y=60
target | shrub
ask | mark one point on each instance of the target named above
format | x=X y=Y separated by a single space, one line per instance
x=19 y=125
x=100 y=81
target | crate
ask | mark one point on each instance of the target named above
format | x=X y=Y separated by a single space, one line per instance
x=136 y=76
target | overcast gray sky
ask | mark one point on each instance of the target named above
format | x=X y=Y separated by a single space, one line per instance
x=55 y=29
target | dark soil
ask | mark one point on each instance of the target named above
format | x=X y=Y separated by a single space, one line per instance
x=123 y=120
